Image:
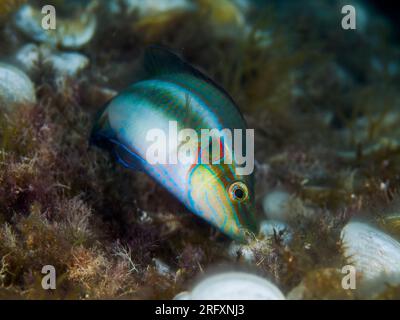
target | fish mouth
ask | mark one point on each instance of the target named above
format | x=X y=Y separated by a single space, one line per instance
x=250 y=227
x=244 y=235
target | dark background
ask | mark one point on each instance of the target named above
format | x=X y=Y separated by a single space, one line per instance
x=391 y=9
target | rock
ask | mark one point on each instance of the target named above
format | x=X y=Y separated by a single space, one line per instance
x=16 y=88
x=374 y=254
x=274 y=205
x=66 y=63
x=233 y=286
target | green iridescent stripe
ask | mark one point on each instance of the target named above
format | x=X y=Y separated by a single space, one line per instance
x=216 y=101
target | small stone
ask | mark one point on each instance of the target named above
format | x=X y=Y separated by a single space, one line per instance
x=274 y=205
x=233 y=286
x=374 y=254
x=67 y=63
x=16 y=88
x=29 y=58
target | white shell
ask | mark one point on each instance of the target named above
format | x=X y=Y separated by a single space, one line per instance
x=16 y=89
x=374 y=254
x=185 y=295
x=66 y=63
x=233 y=286
x=149 y=7
x=29 y=57
x=274 y=205
x=69 y=33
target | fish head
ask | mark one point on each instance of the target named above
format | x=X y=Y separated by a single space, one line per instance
x=224 y=199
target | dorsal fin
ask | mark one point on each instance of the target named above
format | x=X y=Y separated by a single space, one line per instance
x=160 y=61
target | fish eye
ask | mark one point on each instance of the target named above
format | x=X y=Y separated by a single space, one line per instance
x=238 y=192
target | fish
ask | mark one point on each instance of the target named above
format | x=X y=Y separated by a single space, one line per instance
x=174 y=90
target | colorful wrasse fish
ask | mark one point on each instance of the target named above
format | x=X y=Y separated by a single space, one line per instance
x=176 y=91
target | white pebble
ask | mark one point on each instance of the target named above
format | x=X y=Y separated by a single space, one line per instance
x=233 y=286
x=67 y=63
x=274 y=205
x=149 y=7
x=374 y=254
x=16 y=88
x=69 y=33
x=29 y=57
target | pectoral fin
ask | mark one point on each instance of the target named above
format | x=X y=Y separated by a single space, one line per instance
x=104 y=137
x=128 y=158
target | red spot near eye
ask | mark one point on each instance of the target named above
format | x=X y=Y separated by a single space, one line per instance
x=201 y=153
x=221 y=149
x=193 y=165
